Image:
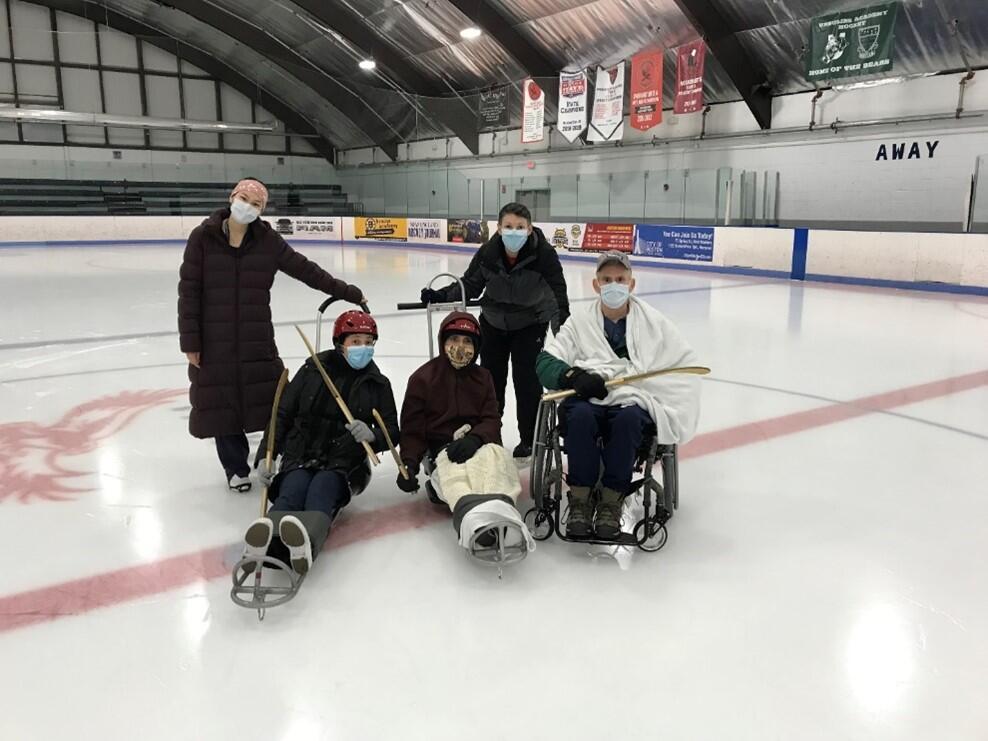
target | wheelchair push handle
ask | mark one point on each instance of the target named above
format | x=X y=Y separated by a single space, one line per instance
x=322 y=310
x=472 y=303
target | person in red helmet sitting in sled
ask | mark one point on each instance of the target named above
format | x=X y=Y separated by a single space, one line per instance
x=322 y=460
x=450 y=423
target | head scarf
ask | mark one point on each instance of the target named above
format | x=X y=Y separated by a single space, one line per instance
x=252 y=189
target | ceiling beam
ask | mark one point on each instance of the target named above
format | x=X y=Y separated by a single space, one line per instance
x=747 y=73
x=223 y=72
x=454 y=112
x=498 y=26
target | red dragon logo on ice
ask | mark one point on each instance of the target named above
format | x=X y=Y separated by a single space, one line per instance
x=33 y=456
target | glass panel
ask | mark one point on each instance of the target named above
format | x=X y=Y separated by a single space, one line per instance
x=628 y=196
x=664 y=196
x=593 y=196
x=979 y=208
x=396 y=193
x=563 y=198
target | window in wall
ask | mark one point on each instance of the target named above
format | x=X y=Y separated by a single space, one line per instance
x=36 y=85
x=117 y=49
x=162 y=94
x=32 y=31
x=123 y=95
x=4 y=40
x=200 y=104
x=76 y=39
x=157 y=59
x=236 y=109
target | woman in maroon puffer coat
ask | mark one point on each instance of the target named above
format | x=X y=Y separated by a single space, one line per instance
x=224 y=322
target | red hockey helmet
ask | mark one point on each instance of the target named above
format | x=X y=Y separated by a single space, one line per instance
x=353 y=322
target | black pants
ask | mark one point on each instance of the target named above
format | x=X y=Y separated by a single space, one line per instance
x=233 y=451
x=522 y=346
x=314 y=497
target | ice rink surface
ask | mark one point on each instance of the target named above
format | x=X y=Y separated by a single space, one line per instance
x=823 y=579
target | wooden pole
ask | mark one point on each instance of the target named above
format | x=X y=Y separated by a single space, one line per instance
x=696 y=370
x=394 y=450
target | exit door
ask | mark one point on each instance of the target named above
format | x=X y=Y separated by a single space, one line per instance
x=537 y=202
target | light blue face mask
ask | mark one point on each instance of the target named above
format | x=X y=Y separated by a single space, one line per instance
x=514 y=239
x=359 y=356
x=614 y=295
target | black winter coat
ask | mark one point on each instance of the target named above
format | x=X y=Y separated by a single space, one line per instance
x=311 y=429
x=533 y=291
x=224 y=313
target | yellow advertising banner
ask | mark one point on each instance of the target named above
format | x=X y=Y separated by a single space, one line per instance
x=383 y=229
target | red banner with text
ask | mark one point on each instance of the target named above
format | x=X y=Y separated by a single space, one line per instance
x=689 y=77
x=646 y=90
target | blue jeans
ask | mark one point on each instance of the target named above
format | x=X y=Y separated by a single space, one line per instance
x=306 y=490
x=620 y=429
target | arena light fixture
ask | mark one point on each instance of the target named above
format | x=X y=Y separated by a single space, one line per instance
x=367 y=64
x=77 y=118
x=470 y=32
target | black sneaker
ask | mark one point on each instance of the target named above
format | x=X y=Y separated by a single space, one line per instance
x=522 y=451
x=580 y=516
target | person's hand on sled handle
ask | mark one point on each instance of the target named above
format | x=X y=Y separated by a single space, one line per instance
x=411 y=484
x=587 y=385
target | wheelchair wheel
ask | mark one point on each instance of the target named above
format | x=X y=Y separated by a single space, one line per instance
x=542 y=454
x=650 y=535
x=539 y=523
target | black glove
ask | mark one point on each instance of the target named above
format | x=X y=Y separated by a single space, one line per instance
x=353 y=295
x=411 y=484
x=431 y=296
x=587 y=385
x=462 y=450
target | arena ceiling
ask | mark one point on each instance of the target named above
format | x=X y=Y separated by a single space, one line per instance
x=301 y=56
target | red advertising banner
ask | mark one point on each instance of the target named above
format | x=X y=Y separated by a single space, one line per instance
x=646 y=90
x=689 y=77
x=603 y=237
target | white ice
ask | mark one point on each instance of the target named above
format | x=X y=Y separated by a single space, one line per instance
x=824 y=583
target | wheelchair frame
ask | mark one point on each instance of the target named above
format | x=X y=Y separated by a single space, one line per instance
x=546 y=486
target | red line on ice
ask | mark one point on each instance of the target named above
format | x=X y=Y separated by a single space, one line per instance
x=134 y=582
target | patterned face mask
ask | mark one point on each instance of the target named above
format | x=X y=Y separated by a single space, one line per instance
x=460 y=356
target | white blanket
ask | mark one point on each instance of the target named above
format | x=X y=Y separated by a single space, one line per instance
x=491 y=470
x=496 y=512
x=654 y=343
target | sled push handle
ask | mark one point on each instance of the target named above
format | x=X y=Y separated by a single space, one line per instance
x=446 y=307
x=322 y=310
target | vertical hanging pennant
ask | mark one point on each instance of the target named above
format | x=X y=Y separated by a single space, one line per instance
x=492 y=108
x=572 y=119
x=689 y=77
x=533 y=113
x=607 y=124
x=646 y=90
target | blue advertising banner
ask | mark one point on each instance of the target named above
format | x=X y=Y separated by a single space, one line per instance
x=675 y=242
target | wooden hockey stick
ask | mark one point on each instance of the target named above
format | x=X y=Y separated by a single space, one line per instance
x=269 y=456
x=394 y=450
x=335 y=392
x=696 y=370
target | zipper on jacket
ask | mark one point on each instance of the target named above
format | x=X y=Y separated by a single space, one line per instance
x=236 y=332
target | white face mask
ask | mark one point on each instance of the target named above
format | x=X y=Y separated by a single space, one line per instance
x=242 y=212
x=614 y=295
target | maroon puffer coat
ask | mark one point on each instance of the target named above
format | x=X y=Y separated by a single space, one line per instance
x=439 y=399
x=224 y=313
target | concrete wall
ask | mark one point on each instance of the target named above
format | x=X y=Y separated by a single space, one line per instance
x=828 y=179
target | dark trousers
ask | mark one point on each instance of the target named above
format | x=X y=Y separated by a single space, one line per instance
x=233 y=451
x=314 y=497
x=620 y=429
x=521 y=346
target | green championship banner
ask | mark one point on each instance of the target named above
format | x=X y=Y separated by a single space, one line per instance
x=852 y=43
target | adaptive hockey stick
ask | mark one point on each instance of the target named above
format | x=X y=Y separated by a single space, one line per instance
x=696 y=370
x=272 y=424
x=335 y=392
x=394 y=450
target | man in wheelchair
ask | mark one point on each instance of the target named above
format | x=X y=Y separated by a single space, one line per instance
x=615 y=336
x=450 y=423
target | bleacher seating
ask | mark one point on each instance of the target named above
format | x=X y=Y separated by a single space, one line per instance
x=128 y=198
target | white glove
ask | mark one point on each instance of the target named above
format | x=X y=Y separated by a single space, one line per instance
x=360 y=431
x=264 y=474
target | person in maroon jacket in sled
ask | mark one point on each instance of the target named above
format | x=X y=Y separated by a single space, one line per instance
x=451 y=426
x=224 y=322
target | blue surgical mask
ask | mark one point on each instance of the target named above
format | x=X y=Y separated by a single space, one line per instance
x=359 y=356
x=242 y=212
x=514 y=239
x=614 y=295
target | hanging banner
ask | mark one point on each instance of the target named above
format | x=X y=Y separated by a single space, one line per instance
x=675 y=242
x=492 y=110
x=607 y=124
x=533 y=113
x=646 y=90
x=382 y=229
x=572 y=119
x=855 y=42
x=689 y=77
x=604 y=237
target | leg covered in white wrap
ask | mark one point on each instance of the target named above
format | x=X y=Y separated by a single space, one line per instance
x=481 y=494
